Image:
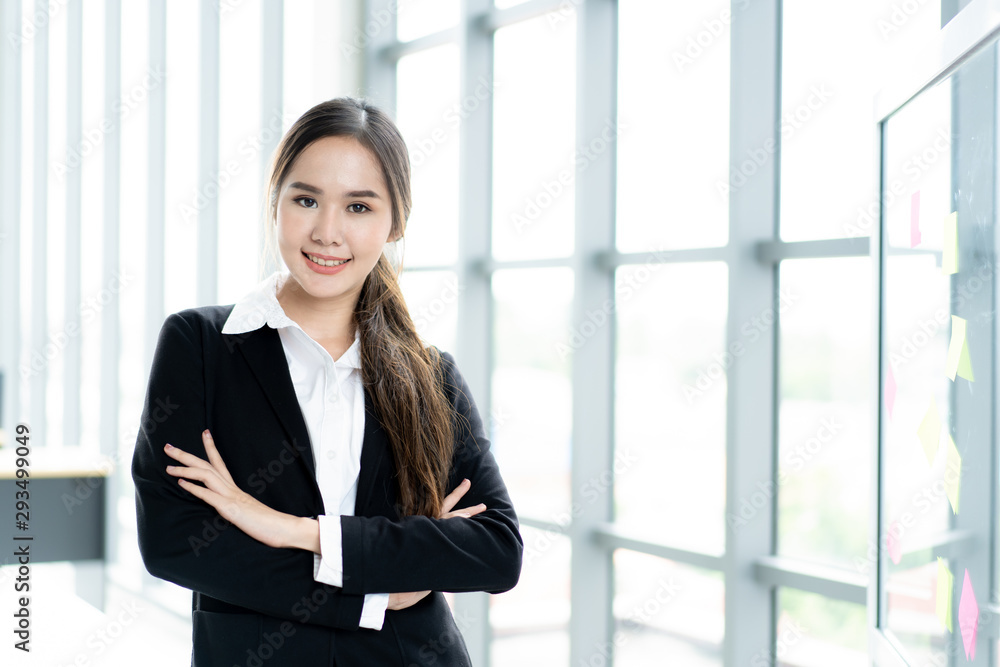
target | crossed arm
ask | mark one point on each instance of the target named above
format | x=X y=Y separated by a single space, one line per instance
x=264 y=560
x=268 y=526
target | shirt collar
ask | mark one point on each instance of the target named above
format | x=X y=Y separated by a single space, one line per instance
x=260 y=306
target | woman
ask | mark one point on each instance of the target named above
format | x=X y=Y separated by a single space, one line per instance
x=297 y=447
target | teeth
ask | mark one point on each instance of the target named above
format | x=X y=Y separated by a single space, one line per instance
x=326 y=262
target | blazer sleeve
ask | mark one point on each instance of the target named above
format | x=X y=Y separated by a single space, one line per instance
x=415 y=553
x=182 y=539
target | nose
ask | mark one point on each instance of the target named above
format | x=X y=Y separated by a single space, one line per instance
x=328 y=229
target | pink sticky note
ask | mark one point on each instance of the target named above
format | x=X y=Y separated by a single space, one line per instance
x=892 y=544
x=968 y=618
x=915 y=219
x=890 y=391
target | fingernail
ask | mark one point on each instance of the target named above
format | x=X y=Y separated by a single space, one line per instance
x=205 y=432
x=168 y=446
x=465 y=480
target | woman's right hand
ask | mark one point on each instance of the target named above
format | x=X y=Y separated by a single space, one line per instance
x=404 y=600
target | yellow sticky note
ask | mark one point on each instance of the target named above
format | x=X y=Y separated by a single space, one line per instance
x=930 y=432
x=945 y=582
x=953 y=474
x=959 y=361
x=949 y=259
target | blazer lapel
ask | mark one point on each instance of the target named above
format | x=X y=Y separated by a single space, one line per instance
x=265 y=355
x=372 y=451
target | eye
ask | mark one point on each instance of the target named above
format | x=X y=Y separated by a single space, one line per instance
x=307 y=202
x=352 y=208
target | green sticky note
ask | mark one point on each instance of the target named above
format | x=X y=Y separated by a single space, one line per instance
x=959 y=362
x=949 y=259
x=945 y=582
x=929 y=432
x=953 y=474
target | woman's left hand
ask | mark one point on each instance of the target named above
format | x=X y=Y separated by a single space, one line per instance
x=254 y=518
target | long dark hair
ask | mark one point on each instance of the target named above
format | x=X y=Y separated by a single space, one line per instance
x=402 y=376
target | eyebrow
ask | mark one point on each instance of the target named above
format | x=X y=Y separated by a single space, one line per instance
x=353 y=193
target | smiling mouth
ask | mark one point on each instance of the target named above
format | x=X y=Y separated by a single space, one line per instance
x=325 y=262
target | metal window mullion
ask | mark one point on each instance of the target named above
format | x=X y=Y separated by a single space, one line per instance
x=379 y=71
x=611 y=536
x=39 y=229
x=397 y=50
x=830 y=582
x=207 y=285
x=72 y=234
x=10 y=213
x=111 y=271
x=525 y=11
x=752 y=383
x=271 y=95
x=474 y=338
x=592 y=573
x=155 y=259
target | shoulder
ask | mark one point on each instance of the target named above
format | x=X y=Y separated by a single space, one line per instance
x=447 y=365
x=185 y=331
x=204 y=319
x=456 y=388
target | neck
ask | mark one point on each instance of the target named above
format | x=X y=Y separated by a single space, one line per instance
x=323 y=319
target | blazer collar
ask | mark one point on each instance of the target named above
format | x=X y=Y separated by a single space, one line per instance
x=264 y=354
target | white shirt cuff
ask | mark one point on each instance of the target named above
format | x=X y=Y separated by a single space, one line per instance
x=328 y=567
x=373 y=611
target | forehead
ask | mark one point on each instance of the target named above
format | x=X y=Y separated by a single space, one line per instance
x=332 y=162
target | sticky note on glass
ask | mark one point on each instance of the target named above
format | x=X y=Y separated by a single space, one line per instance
x=892 y=543
x=915 y=219
x=968 y=617
x=890 y=391
x=929 y=432
x=949 y=259
x=945 y=583
x=953 y=474
x=959 y=362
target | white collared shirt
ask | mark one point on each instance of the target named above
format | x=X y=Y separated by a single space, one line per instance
x=332 y=400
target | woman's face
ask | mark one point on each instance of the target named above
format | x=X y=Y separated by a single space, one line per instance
x=333 y=205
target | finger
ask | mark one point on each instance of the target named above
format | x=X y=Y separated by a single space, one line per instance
x=213 y=455
x=184 y=457
x=207 y=477
x=201 y=492
x=452 y=498
x=466 y=512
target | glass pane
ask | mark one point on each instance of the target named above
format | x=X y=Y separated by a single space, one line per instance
x=530 y=623
x=670 y=401
x=185 y=197
x=814 y=631
x=672 y=150
x=432 y=299
x=532 y=392
x=825 y=428
x=826 y=130
x=428 y=117
x=533 y=157
x=938 y=506
x=416 y=18
x=95 y=290
x=242 y=133
x=663 y=608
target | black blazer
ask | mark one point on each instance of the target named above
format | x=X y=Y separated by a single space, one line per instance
x=257 y=605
